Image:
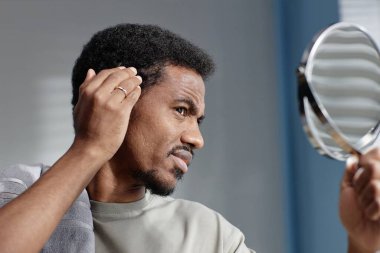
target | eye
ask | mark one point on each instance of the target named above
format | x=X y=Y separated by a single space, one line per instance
x=182 y=111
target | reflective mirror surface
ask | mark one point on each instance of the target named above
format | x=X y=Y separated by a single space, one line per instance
x=339 y=91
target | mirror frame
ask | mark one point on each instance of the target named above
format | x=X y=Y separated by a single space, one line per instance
x=309 y=103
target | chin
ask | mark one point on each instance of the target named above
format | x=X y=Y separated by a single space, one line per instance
x=160 y=189
x=163 y=185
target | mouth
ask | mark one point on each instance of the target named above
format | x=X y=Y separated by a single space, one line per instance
x=182 y=160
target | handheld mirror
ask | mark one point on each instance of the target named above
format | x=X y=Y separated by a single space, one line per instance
x=339 y=91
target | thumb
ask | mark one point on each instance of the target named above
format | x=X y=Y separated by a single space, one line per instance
x=350 y=171
x=90 y=74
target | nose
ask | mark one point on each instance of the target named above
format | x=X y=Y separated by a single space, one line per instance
x=193 y=137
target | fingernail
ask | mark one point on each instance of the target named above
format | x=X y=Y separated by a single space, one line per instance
x=121 y=67
x=357 y=174
x=139 y=77
x=89 y=73
x=134 y=70
x=352 y=160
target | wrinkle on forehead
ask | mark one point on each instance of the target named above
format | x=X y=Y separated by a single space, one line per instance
x=189 y=82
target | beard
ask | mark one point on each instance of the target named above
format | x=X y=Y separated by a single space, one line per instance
x=155 y=183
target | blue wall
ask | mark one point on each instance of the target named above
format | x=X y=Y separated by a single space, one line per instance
x=312 y=181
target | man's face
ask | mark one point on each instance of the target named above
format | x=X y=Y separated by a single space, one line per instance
x=164 y=130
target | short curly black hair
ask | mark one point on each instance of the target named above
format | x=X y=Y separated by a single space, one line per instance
x=148 y=48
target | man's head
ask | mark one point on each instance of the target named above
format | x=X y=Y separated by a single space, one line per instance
x=164 y=124
x=148 y=48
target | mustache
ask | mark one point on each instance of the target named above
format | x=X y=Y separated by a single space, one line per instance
x=181 y=147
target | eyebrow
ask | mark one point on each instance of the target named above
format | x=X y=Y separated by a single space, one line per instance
x=194 y=110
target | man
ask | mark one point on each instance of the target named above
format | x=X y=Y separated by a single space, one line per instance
x=136 y=120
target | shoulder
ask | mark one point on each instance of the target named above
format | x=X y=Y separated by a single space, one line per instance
x=205 y=220
x=15 y=179
x=27 y=174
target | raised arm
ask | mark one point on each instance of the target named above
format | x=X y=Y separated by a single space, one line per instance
x=101 y=120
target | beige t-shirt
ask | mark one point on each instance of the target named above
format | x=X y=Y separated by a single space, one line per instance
x=163 y=225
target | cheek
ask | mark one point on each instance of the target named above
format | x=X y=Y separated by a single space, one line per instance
x=149 y=141
x=137 y=140
x=160 y=139
x=152 y=133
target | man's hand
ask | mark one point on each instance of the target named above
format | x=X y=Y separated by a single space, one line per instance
x=360 y=202
x=102 y=113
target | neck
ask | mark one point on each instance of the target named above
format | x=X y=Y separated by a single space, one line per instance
x=114 y=186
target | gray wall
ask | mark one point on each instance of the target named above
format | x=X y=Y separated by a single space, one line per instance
x=237 y=173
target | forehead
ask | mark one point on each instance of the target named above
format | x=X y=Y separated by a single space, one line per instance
x=180 y=83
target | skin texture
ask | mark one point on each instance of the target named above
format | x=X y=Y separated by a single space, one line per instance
x=360 y=202
x=164 y=127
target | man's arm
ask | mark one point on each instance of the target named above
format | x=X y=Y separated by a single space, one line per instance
x=101 y=120
x=360 y=202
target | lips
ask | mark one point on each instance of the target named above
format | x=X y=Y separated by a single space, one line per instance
x=182 y=159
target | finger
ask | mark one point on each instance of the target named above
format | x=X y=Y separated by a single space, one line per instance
x=370 y=193
x=90 y=88
x=373 y=210
x=349 y=173
x=124 y=88
x=131 y=99
x=370 y=157
x=90 y=74
x=92 y=85
x=115 y=79
x=371 y=172
x=361 y=179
